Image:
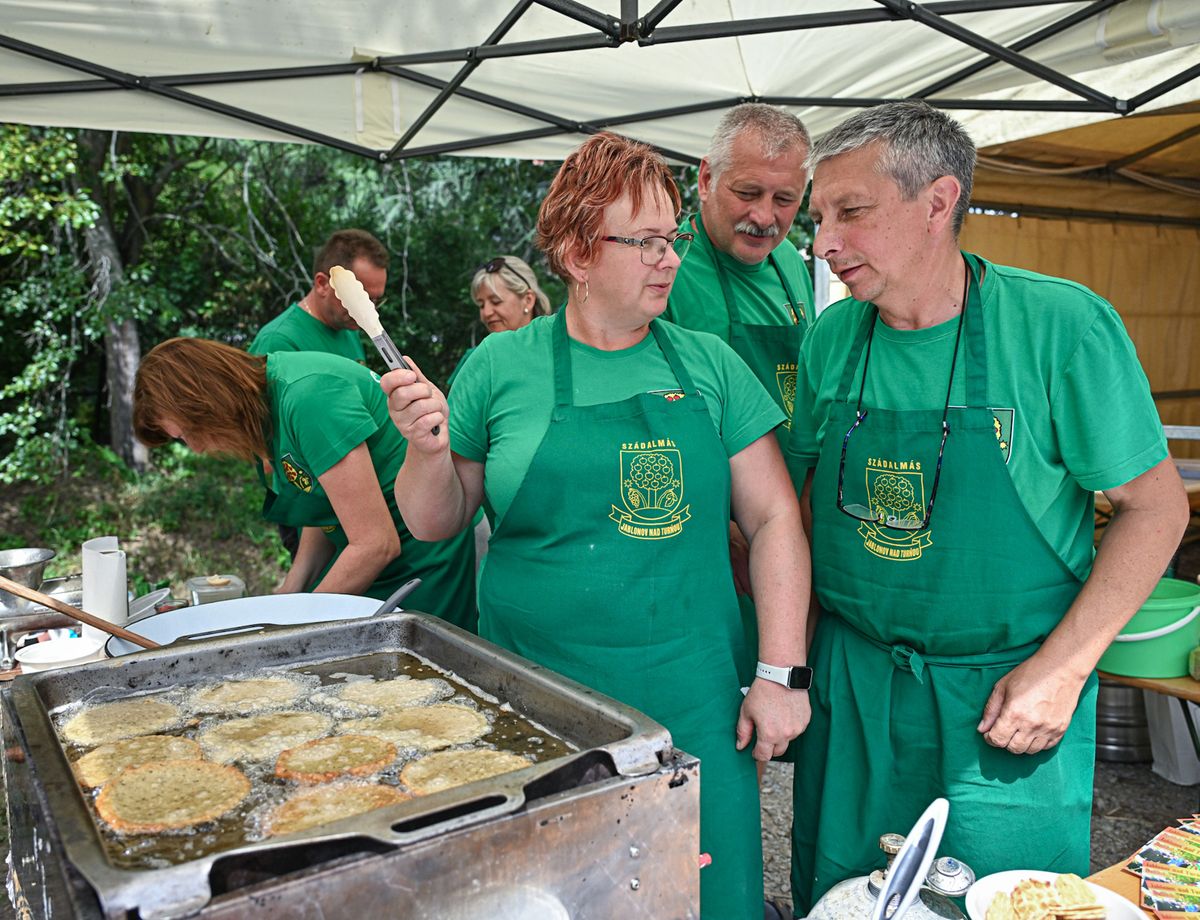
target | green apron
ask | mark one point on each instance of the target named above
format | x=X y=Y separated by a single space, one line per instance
x=770 y=352
x=612 y=568
x=446 y=568
x=915 y=630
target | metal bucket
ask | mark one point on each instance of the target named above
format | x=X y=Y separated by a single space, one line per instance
x=1122 y=733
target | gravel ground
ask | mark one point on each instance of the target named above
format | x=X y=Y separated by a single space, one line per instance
x=1131 y=805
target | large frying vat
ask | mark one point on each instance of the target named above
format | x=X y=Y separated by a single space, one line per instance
x=610 y=831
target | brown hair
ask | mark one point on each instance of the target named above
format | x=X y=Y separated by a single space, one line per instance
x=209 y=389
x=604 y=167
x=344 y=246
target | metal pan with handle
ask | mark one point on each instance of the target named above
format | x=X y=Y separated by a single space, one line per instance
x=249 y=614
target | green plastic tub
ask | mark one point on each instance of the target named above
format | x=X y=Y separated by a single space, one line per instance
x=1156 y=642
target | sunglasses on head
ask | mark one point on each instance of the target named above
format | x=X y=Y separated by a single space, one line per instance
x=494 y=265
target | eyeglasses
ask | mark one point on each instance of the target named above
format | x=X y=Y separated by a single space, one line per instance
x=655 y=247
x=902 y=504
x=494 y=265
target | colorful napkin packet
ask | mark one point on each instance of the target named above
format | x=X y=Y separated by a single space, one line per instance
x=1169 y=866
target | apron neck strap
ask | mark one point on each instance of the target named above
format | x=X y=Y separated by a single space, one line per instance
x=561 y=347
x=735 y=315
x=971 y=322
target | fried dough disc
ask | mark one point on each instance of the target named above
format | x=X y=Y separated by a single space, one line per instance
x=448 y=769
x=1072 y=891
x=393 y=694
x=425 y=728
x=243 y=696
x=326 y=759
x=1000 y=908
x=96 y=768
x=262 y=737
x=170 y=794
x=330 y=802
x=115 y=721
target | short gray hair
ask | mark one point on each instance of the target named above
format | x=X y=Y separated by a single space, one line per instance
x=778 y=132
x=920 y=144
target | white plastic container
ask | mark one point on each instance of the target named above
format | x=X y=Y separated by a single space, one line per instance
x=1175 y=757
x=206 y=589
x=59 y=653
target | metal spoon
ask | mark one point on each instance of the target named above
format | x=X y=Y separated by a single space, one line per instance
x=6 y=658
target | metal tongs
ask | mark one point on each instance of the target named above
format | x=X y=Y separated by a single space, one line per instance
x=357 y=301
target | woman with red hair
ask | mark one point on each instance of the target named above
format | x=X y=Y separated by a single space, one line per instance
x=611 y=447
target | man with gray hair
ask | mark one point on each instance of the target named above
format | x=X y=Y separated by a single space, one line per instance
x=743 y=280
x=953 y=420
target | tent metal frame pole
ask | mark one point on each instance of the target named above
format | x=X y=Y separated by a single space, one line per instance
x=130 y=81
x=1165 y=86
x=661 y=11
x=917 y=13
x=1028 y=41
x=831 y=19
x=457 y=80
x=585 y=14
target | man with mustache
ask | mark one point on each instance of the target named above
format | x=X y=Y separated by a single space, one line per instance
x=742 y=279
x=953 y=419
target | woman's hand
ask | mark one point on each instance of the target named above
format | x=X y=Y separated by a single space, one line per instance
x=417 y=408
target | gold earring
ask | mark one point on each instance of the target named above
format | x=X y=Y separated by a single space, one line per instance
x=586 y=292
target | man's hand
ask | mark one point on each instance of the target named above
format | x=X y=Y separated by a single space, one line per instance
x=773 y=715
x=1030 y=707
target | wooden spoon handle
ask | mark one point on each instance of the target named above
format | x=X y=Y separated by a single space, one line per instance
x=83 y=616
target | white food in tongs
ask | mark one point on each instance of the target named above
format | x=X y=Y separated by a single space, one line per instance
x=357 y=301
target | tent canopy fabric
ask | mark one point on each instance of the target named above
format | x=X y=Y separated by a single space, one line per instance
x=482 y=77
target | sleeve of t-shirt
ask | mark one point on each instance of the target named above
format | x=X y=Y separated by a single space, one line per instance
x=327 y=418
x=747 y=409
x=267 y=342
x=1108 y=428
x=469 y=400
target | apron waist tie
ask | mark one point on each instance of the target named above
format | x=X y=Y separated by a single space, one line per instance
x=906 y=658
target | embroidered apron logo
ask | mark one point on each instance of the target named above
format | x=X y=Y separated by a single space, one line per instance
x=296 y=475
x=651 y=491
x=795 y=312
x=1003 y=419
x=785 y=379
x=668 y=395
x=895 y=490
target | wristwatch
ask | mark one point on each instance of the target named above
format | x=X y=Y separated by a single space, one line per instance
x=797 y=677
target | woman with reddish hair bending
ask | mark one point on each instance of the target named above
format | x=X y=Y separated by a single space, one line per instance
x=317 y=427
x=611 y=446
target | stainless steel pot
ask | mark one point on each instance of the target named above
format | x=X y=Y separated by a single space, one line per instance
x=25 y=567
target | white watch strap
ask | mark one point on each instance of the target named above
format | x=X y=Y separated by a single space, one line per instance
x=772 y=673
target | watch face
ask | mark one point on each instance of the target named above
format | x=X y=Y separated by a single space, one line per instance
x=800 y=678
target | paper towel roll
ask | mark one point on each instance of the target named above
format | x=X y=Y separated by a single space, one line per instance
x=105 y=589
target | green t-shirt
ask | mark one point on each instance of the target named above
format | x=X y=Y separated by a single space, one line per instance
x=295 y=330
x=697 y=301
x=1072 y=403
x=502 y=399
x=322 y=407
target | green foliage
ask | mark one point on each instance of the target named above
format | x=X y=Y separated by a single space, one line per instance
x=35 y=198
x=190 y=515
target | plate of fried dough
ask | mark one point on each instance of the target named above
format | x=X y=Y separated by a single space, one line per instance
x=1022 y=894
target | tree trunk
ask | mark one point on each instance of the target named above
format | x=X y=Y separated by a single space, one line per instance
x=122 y=348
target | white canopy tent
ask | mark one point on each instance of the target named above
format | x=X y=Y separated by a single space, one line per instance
x=396 y=78
x=388 y=79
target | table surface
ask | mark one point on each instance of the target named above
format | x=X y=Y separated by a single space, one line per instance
x=1115 y=878
x=1183 y=687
